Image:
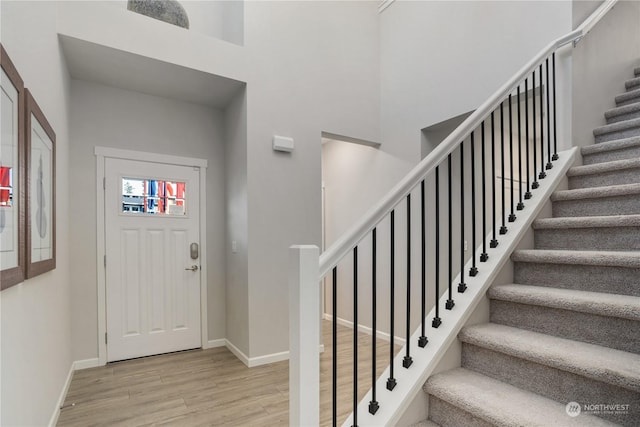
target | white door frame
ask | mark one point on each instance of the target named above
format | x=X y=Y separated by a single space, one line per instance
x=101 y=154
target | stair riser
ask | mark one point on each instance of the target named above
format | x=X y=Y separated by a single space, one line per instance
x=587 y=239
x=621 y=334
x=552 y=383
x=614 y=280
x=447 y=415
x=608 y=156
x=620 y=177
x=623 y=117
x=621 y=134
x=617 y=205
x=626 y=101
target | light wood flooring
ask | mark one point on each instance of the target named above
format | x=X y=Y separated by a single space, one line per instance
x=211 y=387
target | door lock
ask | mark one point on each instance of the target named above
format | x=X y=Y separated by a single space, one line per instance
x=192 y=268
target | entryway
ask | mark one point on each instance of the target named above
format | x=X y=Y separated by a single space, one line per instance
x=152 y=245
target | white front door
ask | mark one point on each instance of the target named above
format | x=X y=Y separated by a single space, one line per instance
x=152 y=258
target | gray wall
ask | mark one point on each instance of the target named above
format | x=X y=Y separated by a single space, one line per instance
x=35 y=315
x=602 y=61
x=111 y=117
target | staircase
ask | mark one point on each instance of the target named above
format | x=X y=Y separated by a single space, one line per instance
x=568 y=328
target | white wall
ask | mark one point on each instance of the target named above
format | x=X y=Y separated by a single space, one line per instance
x=314 y=68
x=441 y=59
x=36 y=340
x=111 y=117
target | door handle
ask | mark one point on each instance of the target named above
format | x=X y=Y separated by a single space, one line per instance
x=192 y=268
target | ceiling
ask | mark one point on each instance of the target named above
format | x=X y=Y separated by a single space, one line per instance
x=113 y=67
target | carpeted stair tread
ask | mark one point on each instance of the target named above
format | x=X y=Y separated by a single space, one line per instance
x=596 y=192
x=628 y=97
x=425 y=423
x=501 y=404
x=617 y=144
x=594 y=258
x=607 y=221
x=602 y=304
x=632 y=83
x=605 y=167
x=636 y=71
x=615 y=113
x=617 y=127
x=592 y=361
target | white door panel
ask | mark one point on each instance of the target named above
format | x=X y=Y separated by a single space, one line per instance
x=152 y=292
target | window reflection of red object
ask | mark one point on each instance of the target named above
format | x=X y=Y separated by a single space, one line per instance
x=5 y=183
x=180 y=193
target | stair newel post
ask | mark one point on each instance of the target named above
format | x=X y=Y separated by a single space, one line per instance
x=355 y=337
x=407 y=360
x=334 y=354
x=436 y=320
x=450 y=303
x=304 y=336
x=555 y=135
x=512 y=215
x=534 y=184
x=474 y=270
x=503 y=228
x=494 y=241
x=527 y=195
x=484 y=256
x=373 y=404
x=542 y=174
x=462 y=286
x=391 y=381
x=520 y=204
x=422 y=341
x=549 y=164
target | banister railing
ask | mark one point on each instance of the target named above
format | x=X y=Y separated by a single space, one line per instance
x=347 y=241
x=516 y=128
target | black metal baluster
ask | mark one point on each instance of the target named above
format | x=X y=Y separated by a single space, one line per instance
x=422 y=341
x=555 y=136
x=461 y=286
x=407 y=360
x=512 y=215
x=549 y=164
x=474 y=270
x=542 y=174
x=373 y=404
x=391 y=381
x=520 y=204
x=334 y=392
x=450 y=303
x=484 y=256
x=436 y=320
x=503 y=228
x=534 y=184
x=494 y=241
x=355 y=337
x=527 y=195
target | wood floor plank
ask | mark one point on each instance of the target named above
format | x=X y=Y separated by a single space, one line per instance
x=212 y=388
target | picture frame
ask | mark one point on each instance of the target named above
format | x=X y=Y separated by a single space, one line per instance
x=40 y=142
x=12 y=175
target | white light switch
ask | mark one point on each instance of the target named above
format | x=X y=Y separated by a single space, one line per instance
x=282 y=143
x=234 y=246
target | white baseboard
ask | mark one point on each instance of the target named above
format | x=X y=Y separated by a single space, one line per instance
x=365 y=329
x=269 y=358
x=238 y=353
x=86 y=364
x=63 y=395
x=216 y=343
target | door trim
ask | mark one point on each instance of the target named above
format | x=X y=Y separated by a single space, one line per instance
x=102 y=153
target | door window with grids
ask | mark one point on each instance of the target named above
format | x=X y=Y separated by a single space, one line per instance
x=153 y=196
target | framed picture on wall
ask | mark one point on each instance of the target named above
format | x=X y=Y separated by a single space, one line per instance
x=12 y=175
x=41 y=195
